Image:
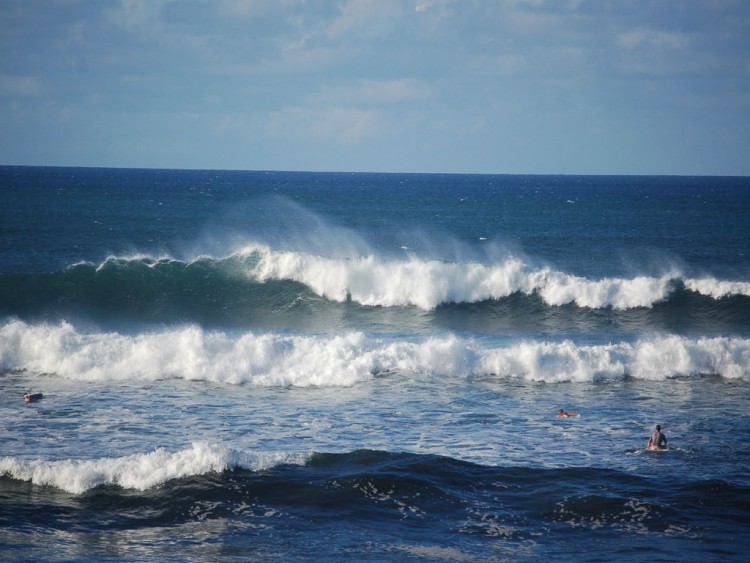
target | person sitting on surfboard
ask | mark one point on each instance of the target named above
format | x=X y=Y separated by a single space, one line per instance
x=563 y=414
x=657 y=439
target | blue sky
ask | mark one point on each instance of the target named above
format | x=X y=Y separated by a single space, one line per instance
x=488 y=86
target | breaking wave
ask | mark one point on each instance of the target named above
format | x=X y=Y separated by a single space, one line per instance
x=428 y=284
x=142 y=471
x=272 y=359
x=258 y=277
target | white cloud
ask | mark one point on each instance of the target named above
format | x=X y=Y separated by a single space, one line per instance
x=241 y=8
x=427 y=5
x=131 y=14
x=648 y=38
x=365 y=17
x=246 y=9
x=534 y=3
x=374 y=92
x=332 y=124
x=657 y=53
x=500 y=64
x=20 y=86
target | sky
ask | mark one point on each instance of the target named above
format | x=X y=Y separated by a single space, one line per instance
x=448 y=86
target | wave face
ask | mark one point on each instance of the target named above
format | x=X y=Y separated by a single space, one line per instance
x=261 y=287
x=192 y=353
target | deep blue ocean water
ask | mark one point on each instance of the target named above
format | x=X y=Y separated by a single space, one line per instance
x=296 y=366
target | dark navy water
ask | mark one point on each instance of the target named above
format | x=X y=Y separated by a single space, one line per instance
x=277 y=365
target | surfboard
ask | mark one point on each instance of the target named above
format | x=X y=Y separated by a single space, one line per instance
x=656 y=449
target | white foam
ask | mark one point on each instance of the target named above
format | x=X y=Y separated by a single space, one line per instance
x=658 y=358
x=142 y=471
x=717 y=288
x=191 y=353
x=426 y=284
x=186 y=353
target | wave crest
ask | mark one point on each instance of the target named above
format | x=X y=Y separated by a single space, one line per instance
x=142 y=471
x=426 y=284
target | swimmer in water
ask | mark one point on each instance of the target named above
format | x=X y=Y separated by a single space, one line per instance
x=657 y=440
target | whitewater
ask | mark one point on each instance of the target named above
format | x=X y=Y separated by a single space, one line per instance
x=192 y=353
x=429 y=283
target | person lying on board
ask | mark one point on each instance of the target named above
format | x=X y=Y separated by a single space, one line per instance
x=657 y=440
x=563 y=414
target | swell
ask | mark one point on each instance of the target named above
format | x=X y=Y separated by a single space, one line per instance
x=280 y=359
x=448 y=497
x=260 y=287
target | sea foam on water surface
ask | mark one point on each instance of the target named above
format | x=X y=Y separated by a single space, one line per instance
x=270 y=359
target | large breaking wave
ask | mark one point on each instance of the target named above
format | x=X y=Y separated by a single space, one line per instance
x=259 y=276
x=430 y=283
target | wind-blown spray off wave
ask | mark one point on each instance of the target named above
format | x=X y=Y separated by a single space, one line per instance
x=142 y=471
x=259 y=278
x=192 y=353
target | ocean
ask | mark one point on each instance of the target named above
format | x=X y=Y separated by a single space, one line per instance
x=265 y=366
